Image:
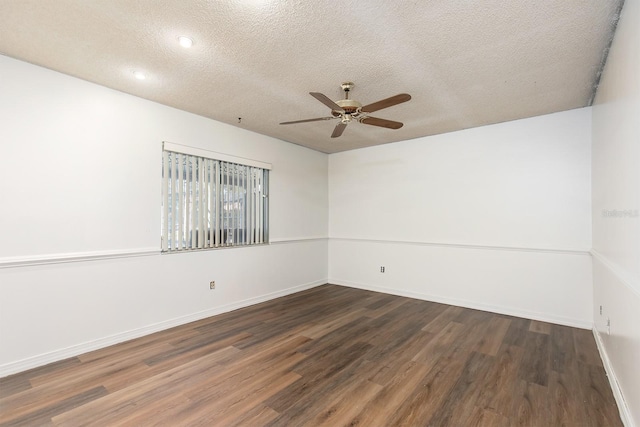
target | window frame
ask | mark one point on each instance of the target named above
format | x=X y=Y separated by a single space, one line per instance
x=212 y=200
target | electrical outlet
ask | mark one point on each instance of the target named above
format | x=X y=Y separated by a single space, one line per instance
x=212 y=284
x=600 y=310
x=608 y=326
x=381 y=269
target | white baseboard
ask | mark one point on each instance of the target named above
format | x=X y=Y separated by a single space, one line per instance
x=61 y=354
x=543 y=317
x=625 y=413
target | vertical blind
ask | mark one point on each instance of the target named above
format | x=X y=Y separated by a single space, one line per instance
x=208 y=203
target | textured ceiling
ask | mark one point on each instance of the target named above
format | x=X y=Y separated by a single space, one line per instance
x=465 y=63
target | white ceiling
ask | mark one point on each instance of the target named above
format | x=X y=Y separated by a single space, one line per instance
x=465 y=63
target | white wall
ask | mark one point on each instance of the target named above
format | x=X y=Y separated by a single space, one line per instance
x=616 y=187
x=497 y=217
x=81 y=179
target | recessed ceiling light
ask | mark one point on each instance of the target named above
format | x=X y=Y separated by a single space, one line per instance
x=139 y=75
x=185 y=41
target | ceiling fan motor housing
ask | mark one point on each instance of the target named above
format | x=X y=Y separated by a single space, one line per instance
x=349 y=106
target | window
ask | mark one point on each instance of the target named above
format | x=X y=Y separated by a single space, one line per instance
x=212 y=202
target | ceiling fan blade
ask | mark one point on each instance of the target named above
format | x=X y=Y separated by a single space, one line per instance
x=337 y=131
x=386 y=103
x=307 y=120
x=383 y=123
x=326 y=101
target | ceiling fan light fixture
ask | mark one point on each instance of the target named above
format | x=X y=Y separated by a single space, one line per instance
x=185 y=41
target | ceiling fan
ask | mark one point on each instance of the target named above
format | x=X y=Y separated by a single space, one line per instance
x=348 y=109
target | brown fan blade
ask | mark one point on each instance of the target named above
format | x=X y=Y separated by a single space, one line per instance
x=386 y=103
x=383 y=123
x=307 y=120
x=326 y=101
x=337 y=131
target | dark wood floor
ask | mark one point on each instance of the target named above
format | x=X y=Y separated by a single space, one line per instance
x=330 y=355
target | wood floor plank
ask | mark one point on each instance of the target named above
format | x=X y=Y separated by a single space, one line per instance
x=487 y=418
x=329 y=355
x=490 y=343
x=441 y=343
x=535 y=364
x=260 y=415
x=540 y=327
x=240 y=371
x=267 y=331
x=585 y=347
x=432 y=391
x=567 y=401
x=52 y=367
x=466 y=389
x=247 y=401
x=345 y=405
x=140 y=345
x=192 y=350
x=44 y=413
x=562 y=348
x=471 y=317
x=323 y=328
x=13 y=384
x=516 y=333
x=387 y=344
x=382 y=310
x=97 y=369
x=443 y=319
x=47 y=395
x=163 y=412
x=299 y=402
x=601 y=409
x=333 y=341
x=477 y=328
x=498 y=387
x=220 y=402
x=316 y=376
x=384 y=405
x=223 y=388
x=382 y=300
x=531 y=406
x=116 y=407
x=387 y=370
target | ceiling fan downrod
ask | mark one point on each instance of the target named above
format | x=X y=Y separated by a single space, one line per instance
x=346 y=87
